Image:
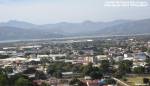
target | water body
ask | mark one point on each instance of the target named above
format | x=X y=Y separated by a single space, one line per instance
x=69 y=38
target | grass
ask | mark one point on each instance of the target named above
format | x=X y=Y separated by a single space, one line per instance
x=136 y=79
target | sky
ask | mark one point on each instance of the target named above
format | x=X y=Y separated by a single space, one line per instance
x=54 y=11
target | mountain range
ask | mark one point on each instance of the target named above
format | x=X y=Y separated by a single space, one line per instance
x=16 y=30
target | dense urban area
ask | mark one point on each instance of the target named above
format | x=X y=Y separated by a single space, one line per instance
x=103 y=61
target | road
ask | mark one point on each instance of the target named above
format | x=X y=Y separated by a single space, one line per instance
x=120 y=82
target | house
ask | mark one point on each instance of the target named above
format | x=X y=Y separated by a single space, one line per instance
x=102 y=57
x=92 y=82
x=140 y=56
x=128 y=56
x=88 y=59
x=118 y=58
x=53 y=56
x=3 y=52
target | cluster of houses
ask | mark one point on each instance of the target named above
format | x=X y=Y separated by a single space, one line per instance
x=30 y=55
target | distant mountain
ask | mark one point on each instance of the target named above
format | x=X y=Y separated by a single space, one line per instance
x=18 y=24
x=127 y=28
x=84 y=28
x=14 y=33
x=14 y=30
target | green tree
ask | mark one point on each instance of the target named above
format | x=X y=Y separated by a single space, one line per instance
x=125 y=66
x=55 y=69
x=76 y=82
x=139 y=70
x=76 y=68
x=96 y=73
x=57 y=74
x=2 y=71
x=51 y=69
x=40 y=75
x=110 y=81
x=105 y=66
x=22 y=82
x=146 y=80
x=9 y=70
x=3 y=80
x=30 y=71
x=4 y=56
x=148 y=50
x=87 y=69
x=147 y=60
x=93 y=72
x=13 y=79
x=45 y=84
x=81 y=52
x=144 y=49
x=118 y=74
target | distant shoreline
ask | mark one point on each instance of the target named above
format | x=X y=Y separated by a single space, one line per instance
x=69 y=38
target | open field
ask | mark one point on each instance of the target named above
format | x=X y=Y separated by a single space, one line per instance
x=136 y=80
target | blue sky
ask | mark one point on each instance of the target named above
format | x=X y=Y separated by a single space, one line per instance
x=52 y=11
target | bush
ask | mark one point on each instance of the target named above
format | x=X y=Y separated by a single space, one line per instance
x=125 y=79
x=22 y=82
x=145 y=80
x=76 y=82
x=110 y=81
x=139 y=70
x=4 y=56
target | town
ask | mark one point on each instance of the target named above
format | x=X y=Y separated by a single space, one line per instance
x=105 y=61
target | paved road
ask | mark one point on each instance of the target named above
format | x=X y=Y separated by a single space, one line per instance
x=120 y=82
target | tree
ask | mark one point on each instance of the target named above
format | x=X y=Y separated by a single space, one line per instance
x=4 y=56
x=40 y=75
x=2 y=71
x=105 y=66
x=22 y=82
x=76 y=68
x=96 y=73
x=13 y=80
x=125 y=66
x=30 y=71
x=57 y=74
x=93 y=72
x=55 y=69
x=144 y=49
x=139 y=70
x=145 y=80
x=76 y=82
x=148 y=50
x=147 y=60
x=87 y=69
x=110 y=81
x=9 y=70
x=45 y=84
x=3 y=77
x=51 y=69
x=118 y=74
x=81 y=52
x=3 y=80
